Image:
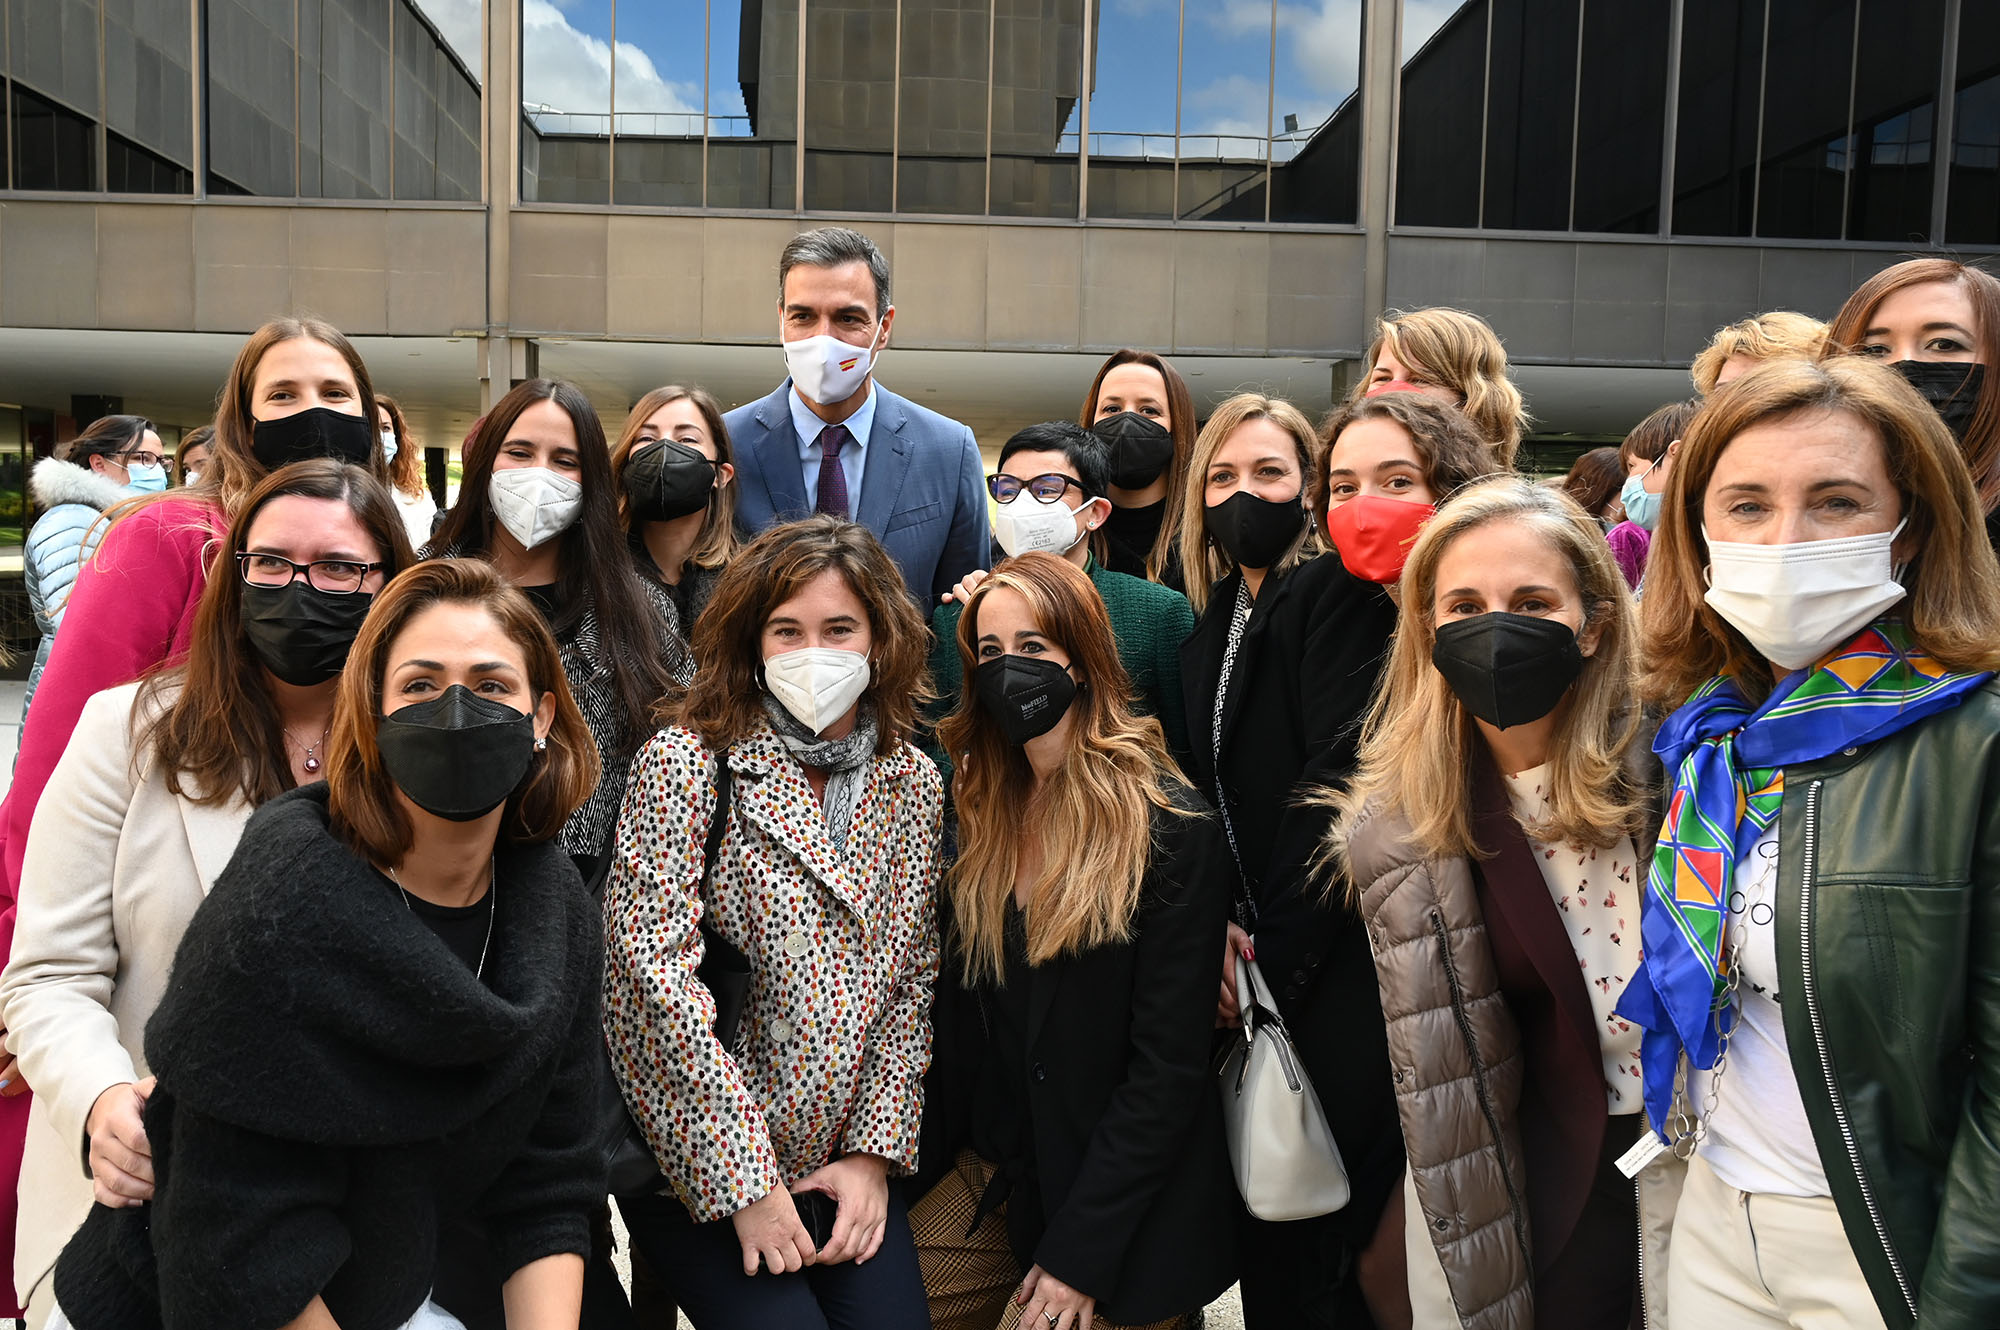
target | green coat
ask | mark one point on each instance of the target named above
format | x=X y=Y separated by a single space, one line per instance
x=1889 y=925
x=1150 y=622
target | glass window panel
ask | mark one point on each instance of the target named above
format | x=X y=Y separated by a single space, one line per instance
x=54 y=147
x=850 y=123
x=566 y=101
x=1801 y=181
x=1973 y=214
x=53 y=49
x=1225 y=111
x=1895 y=111
x=941 y=118
x=1316 y=137
x=1531 y=114
x=148 y=97
x=753 y=120
x=1623 y=98
x=252 y=104
x=1136 y=56
x=1037 y=166
x=659 y=103
x=345 y=78
x=437 y=100
x=1715 y=141
x=1442 y=114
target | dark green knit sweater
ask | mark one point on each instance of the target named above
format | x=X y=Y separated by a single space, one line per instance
x=1150 y=622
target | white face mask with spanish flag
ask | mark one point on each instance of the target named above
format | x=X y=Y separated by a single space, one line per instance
x=827 y=370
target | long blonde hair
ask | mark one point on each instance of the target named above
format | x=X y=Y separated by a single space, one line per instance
x=1094 y=816
x=1461 y=352
x=1203 y=560
x=1420 y=744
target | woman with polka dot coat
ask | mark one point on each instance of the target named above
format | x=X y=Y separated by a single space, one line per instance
x=779 y=1148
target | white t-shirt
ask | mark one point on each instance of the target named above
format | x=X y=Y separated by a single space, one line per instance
x=1758 y=1137
x=1596 y=893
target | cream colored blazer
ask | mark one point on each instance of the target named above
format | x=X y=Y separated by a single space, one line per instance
x=115 y=866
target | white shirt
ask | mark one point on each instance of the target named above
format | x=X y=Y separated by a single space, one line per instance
x=1597 y=894
x=1759 y=1139
x=853 y=454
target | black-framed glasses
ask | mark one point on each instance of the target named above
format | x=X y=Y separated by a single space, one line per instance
x=336 y=577
x=140 y=458
x=1046 y=488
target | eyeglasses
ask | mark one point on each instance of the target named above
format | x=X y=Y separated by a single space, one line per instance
x=141 y=459
x=336 y=577
x=1048 y=488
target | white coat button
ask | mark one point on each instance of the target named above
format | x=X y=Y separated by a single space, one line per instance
x=781 y=1031
x=795 y=944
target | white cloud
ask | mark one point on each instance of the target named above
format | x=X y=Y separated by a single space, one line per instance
x=567 y=70
x=458 y=20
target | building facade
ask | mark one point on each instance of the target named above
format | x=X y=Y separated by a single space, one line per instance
x=486 y=188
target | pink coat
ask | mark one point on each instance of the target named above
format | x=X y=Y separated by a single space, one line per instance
x=132 y=609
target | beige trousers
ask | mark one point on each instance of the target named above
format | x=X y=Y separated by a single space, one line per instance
x=1745 y=1261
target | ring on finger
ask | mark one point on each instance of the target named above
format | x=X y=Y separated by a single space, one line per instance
x=1052 y=1317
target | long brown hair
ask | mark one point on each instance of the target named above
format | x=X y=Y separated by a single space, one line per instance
x=1181 y=424
x=1094 y=817
x=1953 y=605
x=597 y=570
x=233 y=470
x=1202 y=556
x=1459 y=351
x=717 y=539
x=723 y=707
x=1982 y=289
x=1419 y=743
x=221 y=735
x=362 y=795
x=406 y=473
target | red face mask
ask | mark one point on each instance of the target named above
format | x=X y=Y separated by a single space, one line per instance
x=1373 y=535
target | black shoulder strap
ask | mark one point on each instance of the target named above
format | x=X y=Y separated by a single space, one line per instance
x=718 y=820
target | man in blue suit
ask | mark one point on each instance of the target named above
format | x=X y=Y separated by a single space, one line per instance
x=910 y=475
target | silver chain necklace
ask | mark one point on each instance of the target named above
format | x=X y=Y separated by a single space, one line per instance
x=492 y=909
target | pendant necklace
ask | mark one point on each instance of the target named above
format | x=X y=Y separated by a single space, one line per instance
x=311 y=750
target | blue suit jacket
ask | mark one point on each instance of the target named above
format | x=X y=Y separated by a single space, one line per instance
x=923 y=490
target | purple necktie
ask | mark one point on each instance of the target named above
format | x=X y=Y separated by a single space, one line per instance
x=832 y=477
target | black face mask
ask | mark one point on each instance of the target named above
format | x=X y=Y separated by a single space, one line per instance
x=1950 y=386
x=458 y=755
x=1024 y=695
x=1140 y=448
x=668 y=480
x=1508 y=669
x=1254 y=531
x=317 y=432
x=302 y=634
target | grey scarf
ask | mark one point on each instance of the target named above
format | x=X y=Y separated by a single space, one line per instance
x=845 y=761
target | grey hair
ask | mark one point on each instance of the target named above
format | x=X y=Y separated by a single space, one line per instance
x=830 y=247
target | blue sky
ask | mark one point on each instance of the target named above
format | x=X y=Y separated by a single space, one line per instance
x=1226 y=74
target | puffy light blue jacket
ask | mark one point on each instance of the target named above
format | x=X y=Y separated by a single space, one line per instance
x=61 y=539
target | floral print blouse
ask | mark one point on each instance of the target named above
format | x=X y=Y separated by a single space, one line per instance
x=843 y=947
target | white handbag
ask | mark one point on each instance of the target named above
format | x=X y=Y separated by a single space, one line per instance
x=1286 y=1163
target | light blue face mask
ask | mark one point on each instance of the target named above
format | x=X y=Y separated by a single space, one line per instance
x=1641 y=507
x=146 y=479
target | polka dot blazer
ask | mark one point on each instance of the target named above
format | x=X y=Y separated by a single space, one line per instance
x=835 y=1036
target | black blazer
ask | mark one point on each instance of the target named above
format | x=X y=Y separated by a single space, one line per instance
x=1123 y=1111
x=1304 y=676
